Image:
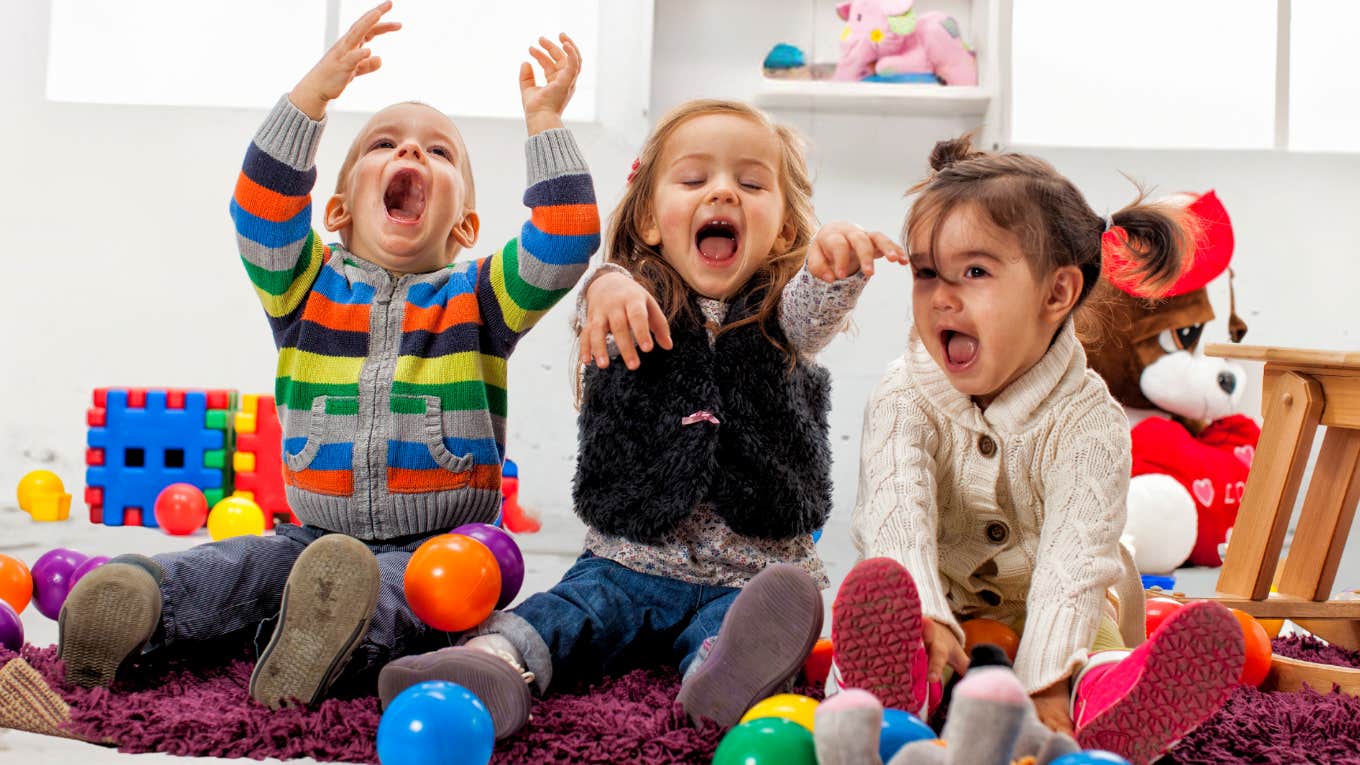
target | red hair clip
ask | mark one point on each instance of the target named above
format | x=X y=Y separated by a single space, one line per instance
x=632 y=173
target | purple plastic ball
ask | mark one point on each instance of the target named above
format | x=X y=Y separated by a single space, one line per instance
x=503 y=546
x=11 y=628
x=52 y=579
x=85 y=568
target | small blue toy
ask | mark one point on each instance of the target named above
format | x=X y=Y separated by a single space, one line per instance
x=1091 y=757
x=899 y=729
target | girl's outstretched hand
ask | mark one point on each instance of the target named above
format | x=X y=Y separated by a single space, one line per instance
x=347 y=59
x=615 y=304
x=544 y=104
x=843 y=249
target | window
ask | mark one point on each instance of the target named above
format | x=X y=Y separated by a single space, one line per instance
x=1145 y=73
x=461 y=56
x=1324 y=92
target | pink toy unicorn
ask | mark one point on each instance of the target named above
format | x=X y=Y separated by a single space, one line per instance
x=889 y=37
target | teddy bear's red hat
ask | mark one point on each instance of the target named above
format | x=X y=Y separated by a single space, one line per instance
x=1213 y=250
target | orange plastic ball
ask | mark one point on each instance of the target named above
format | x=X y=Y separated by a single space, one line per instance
x=1158 y=609
x=977 y=631
x=818 y=664
x=1259 y=651
x=1273 y=626
x=16 y=583
x=452 y=582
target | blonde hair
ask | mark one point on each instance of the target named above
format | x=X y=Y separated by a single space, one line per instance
x=624 y=244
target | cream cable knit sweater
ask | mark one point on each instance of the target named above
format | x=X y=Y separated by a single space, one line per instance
x=1013 y=513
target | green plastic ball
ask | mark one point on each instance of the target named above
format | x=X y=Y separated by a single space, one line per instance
x=767 y=741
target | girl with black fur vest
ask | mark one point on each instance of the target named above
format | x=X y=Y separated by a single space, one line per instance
x=704 y=464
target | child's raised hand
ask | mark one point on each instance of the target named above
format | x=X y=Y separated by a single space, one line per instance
x=942 y=648
x=347 y=59
x=615 y=304
x=1053 y=707
x=544 y=104
x=842 y=249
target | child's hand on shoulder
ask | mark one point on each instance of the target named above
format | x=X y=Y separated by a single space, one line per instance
x=544 y=104
x=615 y=304
x=1054 y=708
x=842 y=249
x=942 y=648
x=347 y=59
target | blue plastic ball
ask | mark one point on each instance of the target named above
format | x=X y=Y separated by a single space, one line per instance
x=899 y=729
x=1091 y=757
x=435 y=723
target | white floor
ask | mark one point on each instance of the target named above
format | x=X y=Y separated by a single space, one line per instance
x=547 y=555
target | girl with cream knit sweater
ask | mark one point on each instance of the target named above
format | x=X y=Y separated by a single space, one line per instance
x=994 y=469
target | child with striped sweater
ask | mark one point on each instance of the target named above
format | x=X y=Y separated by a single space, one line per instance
x=391 y=380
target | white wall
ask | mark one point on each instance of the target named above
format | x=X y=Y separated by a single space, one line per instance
x=123 y=268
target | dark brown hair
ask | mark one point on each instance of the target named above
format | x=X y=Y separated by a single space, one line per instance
x=1026 y=196
x=624 y=244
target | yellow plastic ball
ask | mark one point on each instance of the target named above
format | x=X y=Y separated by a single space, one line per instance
x=35 y=484
x=789 y=706
x=235 y=517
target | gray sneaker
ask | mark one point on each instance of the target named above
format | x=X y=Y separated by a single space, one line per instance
x=763 y=642
x=494 y=678
x=110 y=614
x=328 y=601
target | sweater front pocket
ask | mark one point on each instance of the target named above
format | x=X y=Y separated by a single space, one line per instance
x=318 y=446
x=420 y=456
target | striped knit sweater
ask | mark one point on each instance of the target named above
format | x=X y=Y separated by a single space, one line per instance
x=392 y=389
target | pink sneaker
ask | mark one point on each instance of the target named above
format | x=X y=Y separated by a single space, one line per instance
x=1140 y=707
x=876 y=634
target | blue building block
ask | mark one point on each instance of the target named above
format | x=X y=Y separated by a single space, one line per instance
x=144 y=449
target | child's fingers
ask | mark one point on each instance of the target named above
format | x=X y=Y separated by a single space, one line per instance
x=368 y=66
x=583 y=346
x=355 y=34
x=553 y=50
x=958 y=659
x=816 y=263
x=382 y=29
x=355 y=57
x=573 y=53
x=623 y=338
x=889 y=249
x=939 y=657
x=526 y=76
x=549 y=66
x=599 y=344
x=638 y=325
x=656 y=318
x=864 y=251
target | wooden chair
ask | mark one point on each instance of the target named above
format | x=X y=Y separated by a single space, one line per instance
x=1302 y=390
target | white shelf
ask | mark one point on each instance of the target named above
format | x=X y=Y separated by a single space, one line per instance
x=873 y=97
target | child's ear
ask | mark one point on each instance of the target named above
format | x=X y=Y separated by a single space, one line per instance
x=337 y=213
x=465 y=231
x=1063 y=291
x=651 y=233
x=787 y=233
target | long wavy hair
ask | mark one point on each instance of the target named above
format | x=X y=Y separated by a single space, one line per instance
x=624 y=244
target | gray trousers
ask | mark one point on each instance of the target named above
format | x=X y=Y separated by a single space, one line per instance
x=223 y=587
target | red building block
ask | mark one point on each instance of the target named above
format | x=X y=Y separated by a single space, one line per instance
x=258 y=461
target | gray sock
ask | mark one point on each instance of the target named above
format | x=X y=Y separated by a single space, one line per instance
x=847 y=729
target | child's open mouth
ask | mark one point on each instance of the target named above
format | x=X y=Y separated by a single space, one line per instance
x=960 y=350
x=717 y=241
x=405 y=197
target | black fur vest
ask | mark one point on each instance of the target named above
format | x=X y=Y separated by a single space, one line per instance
x=765 y=468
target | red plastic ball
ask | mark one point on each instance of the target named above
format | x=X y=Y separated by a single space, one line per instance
x=1158 y=609
x=181 y=509
x=16 y=583
x=977 y=631
x=452 y=582
x=1259 y=650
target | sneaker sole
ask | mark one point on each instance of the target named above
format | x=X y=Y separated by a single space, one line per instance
x=764 y=639
x=1189 y=675
x=328 y=601
x=876 y=632
x=115 y=613
x=490 y=679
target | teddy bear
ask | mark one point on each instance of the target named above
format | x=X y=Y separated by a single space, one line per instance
x=1192 y=448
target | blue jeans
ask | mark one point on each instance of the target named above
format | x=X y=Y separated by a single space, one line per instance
x=603 y=616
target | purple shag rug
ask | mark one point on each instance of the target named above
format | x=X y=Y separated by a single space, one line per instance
x=197 y=705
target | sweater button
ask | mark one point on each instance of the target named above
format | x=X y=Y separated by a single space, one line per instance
x=987 y=446
x=997 y=533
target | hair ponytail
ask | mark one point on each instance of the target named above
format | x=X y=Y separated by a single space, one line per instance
x=1148 y=245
